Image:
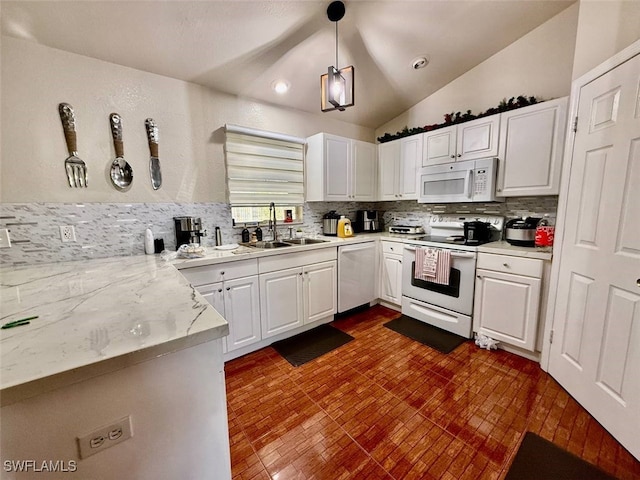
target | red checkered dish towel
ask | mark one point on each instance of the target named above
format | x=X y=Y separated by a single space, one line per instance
x=432 y=265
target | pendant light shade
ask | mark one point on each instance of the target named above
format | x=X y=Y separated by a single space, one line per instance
x=336 y=86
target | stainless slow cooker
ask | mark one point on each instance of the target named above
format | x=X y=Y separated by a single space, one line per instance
x=330 y=223
x=521 y=231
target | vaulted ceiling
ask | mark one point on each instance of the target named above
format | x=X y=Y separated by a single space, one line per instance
x=243 y=47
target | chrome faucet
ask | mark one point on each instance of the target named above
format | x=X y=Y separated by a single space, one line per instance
x=272 y=221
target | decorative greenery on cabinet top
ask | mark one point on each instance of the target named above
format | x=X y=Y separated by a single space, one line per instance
x=458 y=117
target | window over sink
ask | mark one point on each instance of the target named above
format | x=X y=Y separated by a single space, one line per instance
x=264 y=167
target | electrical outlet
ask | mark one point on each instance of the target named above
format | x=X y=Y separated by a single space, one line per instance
x=5 y=241
x=105 y=437
x=67 y=233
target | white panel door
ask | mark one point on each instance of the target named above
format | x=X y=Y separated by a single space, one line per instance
x=391 y=278
x=337 y=151
x=281 y=305
x=214 y=294
x=478 y=138
x=439 y=146
x=595 y=352
x=363 y=165
x=388 y=170
x=410 y=154
x=531 y=141
x=506 y=307
x=320 y=291
x=242 y=307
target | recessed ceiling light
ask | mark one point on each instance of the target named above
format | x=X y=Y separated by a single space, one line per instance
x=419 y=62
x=281 y=86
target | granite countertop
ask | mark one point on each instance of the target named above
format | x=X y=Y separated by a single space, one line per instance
x=95 y=316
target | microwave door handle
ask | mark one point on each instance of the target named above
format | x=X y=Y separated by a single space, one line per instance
x=470 y=183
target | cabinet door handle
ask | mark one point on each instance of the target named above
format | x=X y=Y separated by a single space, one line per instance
x=453 y=156
x=459 y=155
x=228 y=288
x=300 y=274
x=505 y=265
x=222 y=273
x=478 y=277
x=219 y=290
x=638 y=282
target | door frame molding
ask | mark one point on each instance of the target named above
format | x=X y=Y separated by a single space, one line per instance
x=567 y=159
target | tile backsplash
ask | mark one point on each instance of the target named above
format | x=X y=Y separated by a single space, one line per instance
x=117 y=229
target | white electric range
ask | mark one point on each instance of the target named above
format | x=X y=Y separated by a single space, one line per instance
x=449 y=307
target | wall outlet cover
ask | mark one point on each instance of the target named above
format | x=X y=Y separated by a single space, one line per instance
x=67 y=233
x=105 y=437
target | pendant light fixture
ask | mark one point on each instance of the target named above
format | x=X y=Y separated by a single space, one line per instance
x=337 y=84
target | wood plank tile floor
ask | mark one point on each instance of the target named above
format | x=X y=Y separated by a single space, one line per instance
x=386 y=407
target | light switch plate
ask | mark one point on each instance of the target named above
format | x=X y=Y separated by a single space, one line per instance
x=5 y=241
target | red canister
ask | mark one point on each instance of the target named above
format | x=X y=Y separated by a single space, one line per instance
x=545 y=231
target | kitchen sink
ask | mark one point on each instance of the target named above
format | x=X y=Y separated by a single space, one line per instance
x=286 y=243
x=305 y=241
x=265 y=244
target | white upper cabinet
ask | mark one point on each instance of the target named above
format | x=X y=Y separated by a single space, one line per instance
x=388 y=170
x=466 y=141
x=364 y=169
x=339 y=169
x=531 y=148
x=398 y=162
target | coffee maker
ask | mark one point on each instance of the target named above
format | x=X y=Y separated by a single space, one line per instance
x=367 y=221
x=188 y=230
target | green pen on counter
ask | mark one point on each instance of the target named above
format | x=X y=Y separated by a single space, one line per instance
x=18 y=323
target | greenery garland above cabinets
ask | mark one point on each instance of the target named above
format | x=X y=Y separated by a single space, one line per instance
x=458 y=117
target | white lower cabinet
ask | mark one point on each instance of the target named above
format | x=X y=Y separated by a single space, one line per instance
x=297 y=296
x=507 y=299
x=391 y=273
x=232 y=289
x=238 y=302
x=319 y=291
x=281 y=308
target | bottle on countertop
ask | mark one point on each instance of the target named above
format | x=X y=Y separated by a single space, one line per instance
x=545 y=231
x=246 y=236
x=218 y=237
x=259 y=233
x=344 y=227
x=149 y=246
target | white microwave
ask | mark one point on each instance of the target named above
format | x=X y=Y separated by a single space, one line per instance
x=466 y=181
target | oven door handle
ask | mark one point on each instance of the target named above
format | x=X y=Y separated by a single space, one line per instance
x=453 y=254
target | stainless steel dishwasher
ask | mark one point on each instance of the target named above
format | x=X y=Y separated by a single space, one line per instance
x=356 y=275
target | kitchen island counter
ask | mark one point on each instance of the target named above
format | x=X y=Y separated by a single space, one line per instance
x=95 y=317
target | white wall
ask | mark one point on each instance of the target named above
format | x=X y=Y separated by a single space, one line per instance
x=539 y=64
x=604 y=29
x=35 y=79
x=177 y=405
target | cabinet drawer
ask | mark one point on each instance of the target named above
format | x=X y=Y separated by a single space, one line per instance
x=293 y=260
x=531 y=267
x=220 y=272
x=392 y=247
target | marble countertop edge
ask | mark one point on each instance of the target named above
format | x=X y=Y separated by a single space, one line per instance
x=16 y=393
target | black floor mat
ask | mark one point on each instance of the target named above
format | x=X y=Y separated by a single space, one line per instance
x=426 y=334
x=539 y=459
x=306 y=346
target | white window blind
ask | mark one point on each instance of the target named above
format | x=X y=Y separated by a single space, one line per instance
x=264 y=167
